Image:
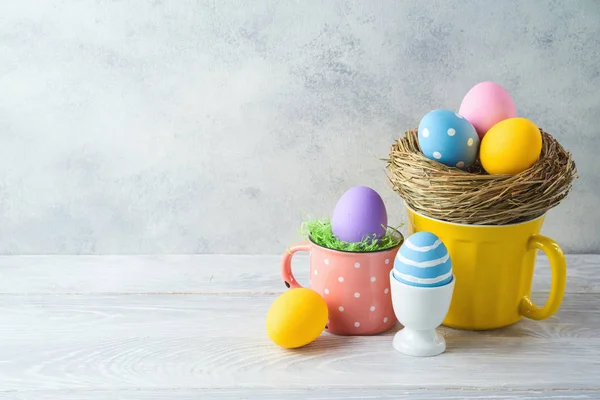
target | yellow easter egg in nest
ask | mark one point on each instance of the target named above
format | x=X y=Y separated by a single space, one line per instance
x=296 y=318
x=510 y=147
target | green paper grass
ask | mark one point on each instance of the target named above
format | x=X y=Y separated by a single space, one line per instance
x=320 y=232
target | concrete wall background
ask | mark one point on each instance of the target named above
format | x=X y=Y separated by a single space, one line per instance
x=209 y=127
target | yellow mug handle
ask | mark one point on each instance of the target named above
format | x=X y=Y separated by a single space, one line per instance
x=558 y=265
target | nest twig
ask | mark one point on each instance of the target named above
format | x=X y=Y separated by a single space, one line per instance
x=473 y=196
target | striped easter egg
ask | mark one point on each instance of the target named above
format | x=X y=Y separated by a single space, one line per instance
x=423 y=260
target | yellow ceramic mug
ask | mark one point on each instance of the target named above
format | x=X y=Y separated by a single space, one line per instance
x=493 y=266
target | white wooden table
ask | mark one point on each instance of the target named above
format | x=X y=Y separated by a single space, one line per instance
x=191 y=327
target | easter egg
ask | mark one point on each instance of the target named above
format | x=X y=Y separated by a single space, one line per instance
x=296 y=318
x=511 y=146
x=447 y=137
x=358 y=214
x=486 y=104
x=423 y=260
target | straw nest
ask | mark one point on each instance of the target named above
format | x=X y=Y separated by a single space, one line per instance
x=473 y=196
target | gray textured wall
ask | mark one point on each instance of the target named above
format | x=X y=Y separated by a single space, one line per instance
x=192 y=126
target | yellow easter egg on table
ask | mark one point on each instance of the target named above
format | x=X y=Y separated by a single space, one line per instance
x=296 y=318
x=511 y=146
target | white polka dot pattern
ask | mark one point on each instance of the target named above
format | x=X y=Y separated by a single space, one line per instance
x=355 y=299
x=447 y=137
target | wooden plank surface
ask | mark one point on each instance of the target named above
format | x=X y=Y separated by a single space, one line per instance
x=205 y=274
x=64 y=317
x=146 y=362
x=299 y=394
x=146 y=327
x=218 y=341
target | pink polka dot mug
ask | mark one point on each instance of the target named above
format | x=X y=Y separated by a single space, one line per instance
x=355 y=286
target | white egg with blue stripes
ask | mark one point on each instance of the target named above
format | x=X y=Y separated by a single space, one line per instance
x=424 y=261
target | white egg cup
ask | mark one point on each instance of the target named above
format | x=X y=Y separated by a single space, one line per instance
x=420 y=310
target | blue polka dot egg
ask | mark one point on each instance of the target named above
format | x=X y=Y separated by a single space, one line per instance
x=447 y=137
x=423 y=260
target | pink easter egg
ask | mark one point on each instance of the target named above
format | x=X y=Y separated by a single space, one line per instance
x=486 y=104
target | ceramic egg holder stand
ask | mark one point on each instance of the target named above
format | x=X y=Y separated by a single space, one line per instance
x=422 y=284
x=421 y=311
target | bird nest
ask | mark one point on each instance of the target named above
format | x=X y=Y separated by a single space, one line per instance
x=474 y=197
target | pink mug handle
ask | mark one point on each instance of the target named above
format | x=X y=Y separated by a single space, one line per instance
x=286 y=264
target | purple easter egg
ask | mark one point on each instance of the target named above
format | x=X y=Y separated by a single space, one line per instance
x=359 y=213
